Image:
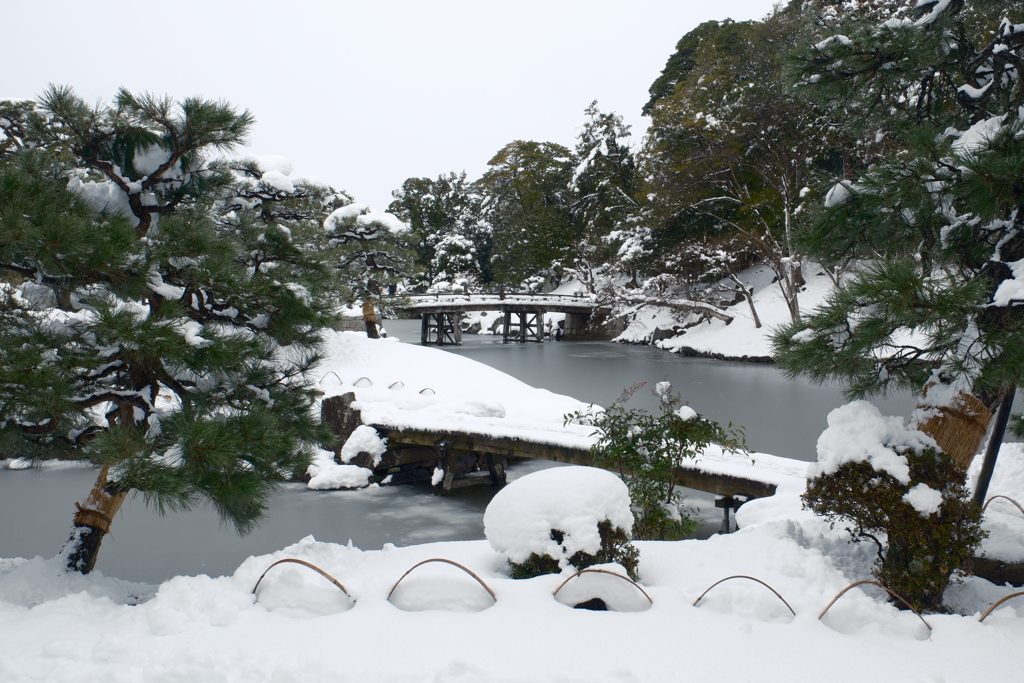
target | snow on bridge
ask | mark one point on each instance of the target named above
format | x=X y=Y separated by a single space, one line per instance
x=451 y=413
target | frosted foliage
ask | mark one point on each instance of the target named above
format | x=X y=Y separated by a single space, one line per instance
x=838 y=195
x=857 y=432
x=573 y=500
x=978 y=136
x=924 y=499
x=363 y=440
x=1011 y=290
x=278 y=181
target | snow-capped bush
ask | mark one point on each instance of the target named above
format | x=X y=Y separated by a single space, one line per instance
x=561 y=517
x=892 y=486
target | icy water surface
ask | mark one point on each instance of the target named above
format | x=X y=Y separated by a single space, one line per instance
x=780 y=416
x=36 y=508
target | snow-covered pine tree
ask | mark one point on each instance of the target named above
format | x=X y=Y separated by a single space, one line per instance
x=370 y=250
x=940 y=216
x=603 y=187
x=451 y=240
x=142 y=332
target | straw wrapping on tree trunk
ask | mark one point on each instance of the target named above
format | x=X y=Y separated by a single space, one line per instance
x=959 y=428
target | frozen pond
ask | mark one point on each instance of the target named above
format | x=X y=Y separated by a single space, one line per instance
x=780 y=416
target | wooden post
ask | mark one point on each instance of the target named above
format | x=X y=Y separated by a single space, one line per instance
x=446 y=456
x=506 y=329
x=425 y=329
x=496 y=466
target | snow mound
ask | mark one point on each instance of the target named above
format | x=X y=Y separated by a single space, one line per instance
x=301 y=593
x=28 y=583
x=363 y=440
x=1002 y=520
x=325 y=474
x=857 y=432
x=618 y=594
x=574 y=500
x=440 y=586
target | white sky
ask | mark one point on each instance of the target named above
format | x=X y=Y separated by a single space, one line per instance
x=366 y=94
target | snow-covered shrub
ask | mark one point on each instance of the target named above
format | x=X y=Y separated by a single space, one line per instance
x=891 y=485
x=561 y=517
x=646 y=449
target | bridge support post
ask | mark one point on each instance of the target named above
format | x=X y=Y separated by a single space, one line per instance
x=496 y=466
x=442 y=328
x=529 y=326
x=446 y=459
x=576 y=326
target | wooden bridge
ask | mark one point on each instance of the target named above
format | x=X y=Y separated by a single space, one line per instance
x=413 y=454
x=523 y=314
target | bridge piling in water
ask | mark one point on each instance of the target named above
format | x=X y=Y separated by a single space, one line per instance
x=443 y=328
x=528 y=327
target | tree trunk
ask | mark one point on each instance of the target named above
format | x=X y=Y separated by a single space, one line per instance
x=92 y=523
x=747 y=294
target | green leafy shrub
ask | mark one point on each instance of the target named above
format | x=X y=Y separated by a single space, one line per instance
x=615 y=548
x=646 y=449
x=917 y=552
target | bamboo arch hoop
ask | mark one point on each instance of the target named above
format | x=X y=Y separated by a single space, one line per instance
x=743 y=576
x=999 y=495
x=604 y=571
x=997 y=603
x=454 y=564
x=319 y=571
x=331 y=372
x=875 y=583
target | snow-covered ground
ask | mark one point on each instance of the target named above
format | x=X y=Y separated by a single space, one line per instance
x=440 y=625
x=740 y=337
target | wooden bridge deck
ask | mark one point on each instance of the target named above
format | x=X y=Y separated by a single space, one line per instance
x=409 y=446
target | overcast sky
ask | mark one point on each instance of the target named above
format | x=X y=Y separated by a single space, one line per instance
x=366 y=94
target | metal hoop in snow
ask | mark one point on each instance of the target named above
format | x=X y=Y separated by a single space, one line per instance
x=319 y=571
x=744 y=576
x=999 y=495
x=331 y=372
x=604 y=571
x=454 y=564
x=875 y=583
x=997 y=603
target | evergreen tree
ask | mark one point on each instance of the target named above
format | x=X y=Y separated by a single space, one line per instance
x=452 y=243
x=940 y=215
x=526 y=202
x=143 y=329
x=370 y=250
x=603 y=185
x=730 y=150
